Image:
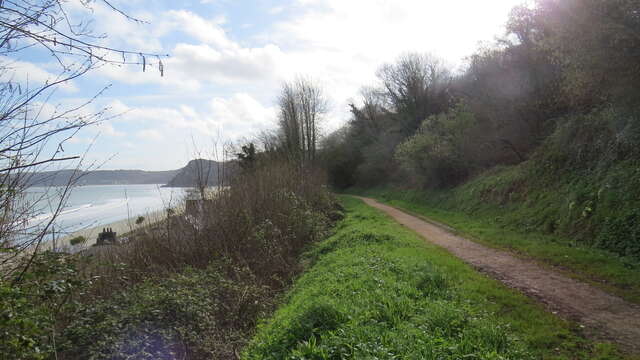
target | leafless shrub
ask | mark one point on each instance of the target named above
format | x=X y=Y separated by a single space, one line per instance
x=261 y=221
x=33 y=129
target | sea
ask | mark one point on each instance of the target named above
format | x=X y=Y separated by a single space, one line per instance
x=92 y=206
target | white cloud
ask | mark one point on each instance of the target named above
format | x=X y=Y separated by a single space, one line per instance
x=80 y=140
x=344 y=42
x=174 y=78
x=212 y=59
x=340 y=43
x=106 y=128
x=276 y=10
x=150 y=134
x=242 y=115
x=207 y=31
x=227 y=65
x=32 y=75
x=232 y=117
x=375 y=31
x=163 y=137
x=121 y=33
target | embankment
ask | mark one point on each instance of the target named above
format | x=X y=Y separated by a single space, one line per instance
x=485 y=222
x=376 y=290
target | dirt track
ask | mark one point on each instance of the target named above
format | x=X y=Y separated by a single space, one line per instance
x=604 y=316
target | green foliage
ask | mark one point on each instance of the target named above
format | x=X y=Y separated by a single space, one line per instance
x=247 y=157
x=591 y=162
x=621 y=234
x=24 y=328
x=435 y=154
x=559 y=60
x=340 y=159
x=139 y=220
x=78 y=240
x=596 y=42
x=572 y=204
x=592 y=143
x=199 y=314
x=376 y=290
x=32 y=305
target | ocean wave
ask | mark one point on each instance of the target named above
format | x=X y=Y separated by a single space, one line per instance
x=93 y=208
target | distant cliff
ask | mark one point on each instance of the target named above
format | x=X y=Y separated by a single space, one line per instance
x=202 y=171
x=102 y=177
x=209 y=171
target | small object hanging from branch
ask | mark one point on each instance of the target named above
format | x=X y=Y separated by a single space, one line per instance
x=124 y=58
x=160 y=67
x=144 y=63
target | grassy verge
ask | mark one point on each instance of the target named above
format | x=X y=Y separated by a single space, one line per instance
x=376 y=290
x=612 y=273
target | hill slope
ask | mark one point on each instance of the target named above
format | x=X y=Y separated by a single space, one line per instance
x=102 y=177
x=203 y=171
x=209 y=171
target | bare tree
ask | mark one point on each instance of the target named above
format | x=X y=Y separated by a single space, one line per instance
x=268 y=141
x=33 y=129
x=202 y=170
x=416 y=86
x=289 y=120
x=302 y=105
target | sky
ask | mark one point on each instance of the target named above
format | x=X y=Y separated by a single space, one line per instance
x=228 y=59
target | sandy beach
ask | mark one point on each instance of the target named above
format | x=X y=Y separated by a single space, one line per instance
x=120 y=227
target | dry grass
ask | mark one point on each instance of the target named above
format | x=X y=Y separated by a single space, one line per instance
x=262 y=222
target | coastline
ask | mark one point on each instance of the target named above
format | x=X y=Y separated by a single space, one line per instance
x=121 y=227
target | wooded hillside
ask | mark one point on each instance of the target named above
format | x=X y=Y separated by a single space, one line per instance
x=545 y=118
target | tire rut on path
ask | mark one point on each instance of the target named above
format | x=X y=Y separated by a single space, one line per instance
x=603 y=315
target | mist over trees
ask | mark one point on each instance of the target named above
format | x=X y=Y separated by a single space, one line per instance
x=428 y=127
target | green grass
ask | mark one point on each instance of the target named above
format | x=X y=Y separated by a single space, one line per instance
x=375 y=290
x=613 y=273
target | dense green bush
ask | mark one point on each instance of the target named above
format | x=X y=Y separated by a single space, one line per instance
x=437 y=155
x=197 y=314
x=621 y=233
x=582 y=183
x=34 y=302
x=78 y=240
x=25 y=328
x=592 y=143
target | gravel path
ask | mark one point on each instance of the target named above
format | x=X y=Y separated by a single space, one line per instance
x=603 y=316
